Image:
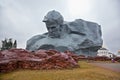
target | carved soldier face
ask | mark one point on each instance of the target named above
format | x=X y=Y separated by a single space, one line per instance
x=53 y=30
x=53 y=20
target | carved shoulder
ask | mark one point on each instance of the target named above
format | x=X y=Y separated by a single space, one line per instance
x=32 y=40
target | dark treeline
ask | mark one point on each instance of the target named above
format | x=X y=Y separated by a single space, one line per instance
x=8 y=44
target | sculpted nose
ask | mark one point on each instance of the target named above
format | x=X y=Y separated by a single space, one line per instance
x=50 y=30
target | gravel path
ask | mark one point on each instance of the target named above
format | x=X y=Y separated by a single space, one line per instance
x=111 y=66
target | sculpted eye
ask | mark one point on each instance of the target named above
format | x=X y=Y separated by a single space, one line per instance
x=53 y=27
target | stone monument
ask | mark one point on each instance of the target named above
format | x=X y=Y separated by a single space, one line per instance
x=79 y=36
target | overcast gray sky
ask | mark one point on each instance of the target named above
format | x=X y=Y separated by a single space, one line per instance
x=22 y=19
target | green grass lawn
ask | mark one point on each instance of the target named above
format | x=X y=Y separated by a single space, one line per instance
x=85 y=72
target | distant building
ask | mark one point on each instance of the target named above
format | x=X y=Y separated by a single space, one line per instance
x=105 y=52
x=118 y=54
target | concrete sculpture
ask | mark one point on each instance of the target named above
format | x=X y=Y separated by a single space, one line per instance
x=79 y=36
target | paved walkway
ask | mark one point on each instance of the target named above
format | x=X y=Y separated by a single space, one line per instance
x=111 y=66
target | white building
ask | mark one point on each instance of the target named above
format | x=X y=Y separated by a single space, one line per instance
x=104 y=52
x=118 y=54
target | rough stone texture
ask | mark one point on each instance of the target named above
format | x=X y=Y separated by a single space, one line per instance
x=42 y=59
x=79 y=36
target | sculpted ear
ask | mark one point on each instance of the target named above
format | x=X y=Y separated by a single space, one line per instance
x=65 y=28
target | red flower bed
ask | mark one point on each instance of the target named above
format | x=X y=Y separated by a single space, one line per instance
x=42 y=59
x=101 y=58
x=117 y=59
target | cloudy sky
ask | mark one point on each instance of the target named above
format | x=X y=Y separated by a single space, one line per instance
x=22 y=19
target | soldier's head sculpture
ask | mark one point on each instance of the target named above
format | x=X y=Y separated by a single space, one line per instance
x=78 y=36
x=54 y=22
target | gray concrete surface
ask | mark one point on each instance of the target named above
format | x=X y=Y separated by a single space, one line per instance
x=110 y=66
